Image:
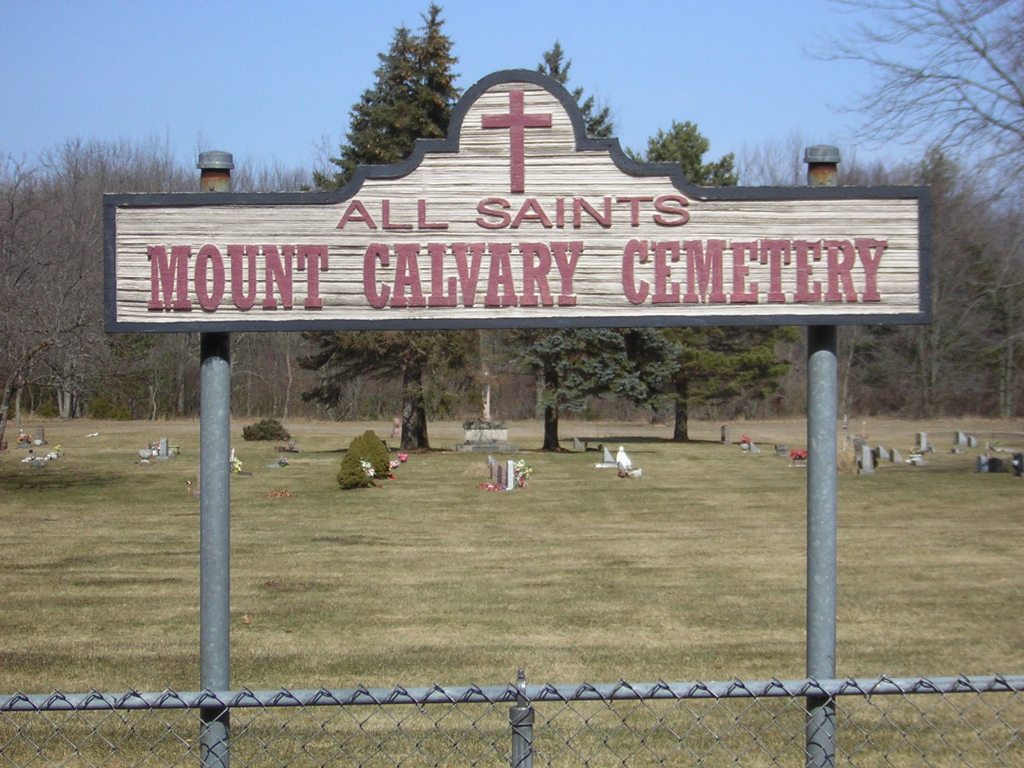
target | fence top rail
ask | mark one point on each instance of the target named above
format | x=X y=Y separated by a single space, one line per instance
x=509 y=693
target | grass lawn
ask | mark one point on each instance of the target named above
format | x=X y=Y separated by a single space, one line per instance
x=694 y=571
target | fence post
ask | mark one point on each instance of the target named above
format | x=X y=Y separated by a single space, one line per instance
x=520 y=717
x=214 y=510
x=822 y=414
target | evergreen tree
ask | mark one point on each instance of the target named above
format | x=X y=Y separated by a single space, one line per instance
x=713 y=364
x=683 y=143
x=573 y=364
x=556 y=66
x=412 y=98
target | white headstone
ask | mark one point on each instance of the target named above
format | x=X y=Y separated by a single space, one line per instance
x=510 y=475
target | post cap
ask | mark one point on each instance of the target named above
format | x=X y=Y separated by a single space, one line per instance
x=821 y=153
x=214 y=160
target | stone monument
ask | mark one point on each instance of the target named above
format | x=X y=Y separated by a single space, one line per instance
x=486 y=434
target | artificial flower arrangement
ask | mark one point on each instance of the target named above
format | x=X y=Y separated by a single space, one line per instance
x=521 y=476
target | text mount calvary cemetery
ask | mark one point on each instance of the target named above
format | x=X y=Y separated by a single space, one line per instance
x=516 y=219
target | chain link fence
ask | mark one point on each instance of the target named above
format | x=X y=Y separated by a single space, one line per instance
x=955 y=721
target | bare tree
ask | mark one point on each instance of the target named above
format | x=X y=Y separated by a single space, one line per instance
x=949 y=72
x=42 y=311
x=774 y=163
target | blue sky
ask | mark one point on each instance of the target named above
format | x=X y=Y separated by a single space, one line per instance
x=272 y=82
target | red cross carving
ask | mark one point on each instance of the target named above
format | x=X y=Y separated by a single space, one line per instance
x=516 y=122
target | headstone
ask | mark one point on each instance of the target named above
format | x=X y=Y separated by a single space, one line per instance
x=726 y=439
x=754 y=448
x=982 y=464
x=922 y=442
x=485 y=436
x=40 y=436
x=510 y=475
x=866 y=461
x=781 y=450
x=499 y=474
x=578 y=445
x=996 y=465
x=960 y=438
x=881 y=453
x=164 y=451
x=972 y=441
x=896 y=457
x=1018 y=464
x=608 y=461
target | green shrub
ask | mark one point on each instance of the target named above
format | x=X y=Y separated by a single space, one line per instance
x=102 y=408
x=368 y=448
x=46 y=410
x=266 y=429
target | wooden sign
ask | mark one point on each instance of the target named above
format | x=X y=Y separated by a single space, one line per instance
x=517 y=219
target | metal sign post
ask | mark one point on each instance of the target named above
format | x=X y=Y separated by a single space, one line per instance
x=822 y=414
x=215 y=509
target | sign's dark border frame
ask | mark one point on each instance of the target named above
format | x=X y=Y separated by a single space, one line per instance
x=450 y=144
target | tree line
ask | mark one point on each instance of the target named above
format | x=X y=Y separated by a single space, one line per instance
x=57 y=361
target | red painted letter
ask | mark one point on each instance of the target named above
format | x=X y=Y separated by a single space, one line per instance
x=870 y=253
x=741 y=253
x=665 y=292
x=839 y=269
x=281 y=274
x=374 y=253
x=804 y=291
x=704 y=268
x=243 y=299
x=168 y=277
x=209 y=299
x=636 y=251
x=566 y=268
x=536 y=265
x=312 y=258
x=407 y=275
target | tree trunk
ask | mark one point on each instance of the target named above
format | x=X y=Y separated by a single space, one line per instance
x=550 y=428
x=5 y=404
x=414 y=413
x=289 y=377
x=550 y=385
x=681 y=429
